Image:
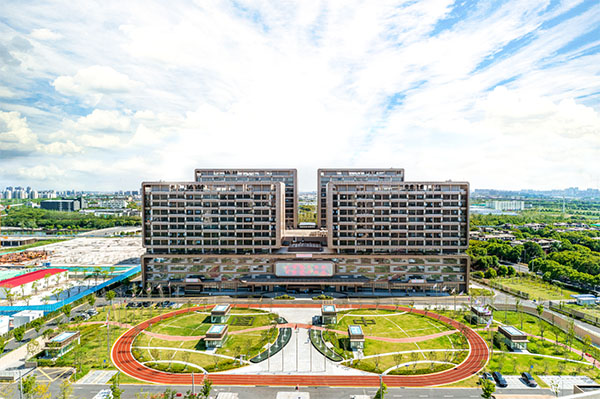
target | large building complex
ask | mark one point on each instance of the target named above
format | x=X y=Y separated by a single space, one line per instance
x=233 y=230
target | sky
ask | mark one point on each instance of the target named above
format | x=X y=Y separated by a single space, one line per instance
x=104 y=95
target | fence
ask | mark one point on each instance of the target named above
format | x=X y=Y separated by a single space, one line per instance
x=561 y=308
x=49 y=308
x=554 y=319
x=498 y=286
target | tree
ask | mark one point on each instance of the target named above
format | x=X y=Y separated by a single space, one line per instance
x=511 y=271
x=398 y=359
x=380 y=394
x=2 y=345
x=540 y=311
x=109 y=296
x=114 y=388
x=92 y=300
x=42 y=391
x=502 y=270
x=491 y=273
x=169 y=393
x=206 y=388
x=66 y=390
x=9 y=295
x=67 y=310
x=488 y=388
x=33 y=348
x=27 y=386
x=519 y=313
x=587 y=341
x=18 y=333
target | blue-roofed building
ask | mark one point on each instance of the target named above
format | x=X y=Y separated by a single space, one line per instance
x=328 y=314
x=220 y=314
x=480 y=314
x=585 y=299
x=60 y=344
x=356 y=336
x=515 y=339
x=216 y=336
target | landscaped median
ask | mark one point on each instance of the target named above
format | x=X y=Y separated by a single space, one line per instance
x=316 y=338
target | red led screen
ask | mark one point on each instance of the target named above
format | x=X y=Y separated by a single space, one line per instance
x=304 y=269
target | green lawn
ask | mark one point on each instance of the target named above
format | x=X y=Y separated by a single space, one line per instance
x=248 y=344
x=381 y=363
x=389 y=323
x=537 y=289
x=92 y=352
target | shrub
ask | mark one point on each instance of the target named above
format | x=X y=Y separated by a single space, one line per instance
x=477 y=274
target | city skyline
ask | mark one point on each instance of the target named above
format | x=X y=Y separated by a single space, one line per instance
x=104 y=96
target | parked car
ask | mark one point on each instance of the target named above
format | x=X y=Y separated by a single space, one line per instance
x=147 y=304
x=500 y=381
x=92 y=312
x=486 y=376
x=528 y=379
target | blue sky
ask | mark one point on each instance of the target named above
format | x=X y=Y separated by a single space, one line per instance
x=503 y=94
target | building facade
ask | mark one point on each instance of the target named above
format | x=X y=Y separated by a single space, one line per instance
x=325 y=176
x=289 y=177
x=213 y=218
x=381 y=234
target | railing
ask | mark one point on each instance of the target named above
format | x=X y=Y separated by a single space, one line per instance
x=561 y=308
x=49 y=308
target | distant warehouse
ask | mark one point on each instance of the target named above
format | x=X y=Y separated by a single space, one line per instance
x=63 y=205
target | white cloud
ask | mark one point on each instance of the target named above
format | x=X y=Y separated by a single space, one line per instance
x=15 y=135
x=17 y=139
x=308 y=84
x=45 y=34
x=102 y=120
x=94 y=81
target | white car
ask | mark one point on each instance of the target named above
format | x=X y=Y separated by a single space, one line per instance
x=104 y=394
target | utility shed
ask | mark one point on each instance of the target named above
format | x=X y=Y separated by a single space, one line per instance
x=220 y=313
x=357 y=337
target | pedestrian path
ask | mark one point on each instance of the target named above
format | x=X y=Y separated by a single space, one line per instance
x=97 y=377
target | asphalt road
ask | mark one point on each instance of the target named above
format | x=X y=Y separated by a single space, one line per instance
x=130 y=391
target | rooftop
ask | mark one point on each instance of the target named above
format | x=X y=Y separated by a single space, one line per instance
x=216 y=329
x=63 y=336
x=355 y=330
x=29 y=277
x=220 y=308
x=512 y=330
x=583 y=296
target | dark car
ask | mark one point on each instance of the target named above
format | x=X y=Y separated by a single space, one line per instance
x=500 y=381
x=147 y=304
x=528 y=379
x=486 y=376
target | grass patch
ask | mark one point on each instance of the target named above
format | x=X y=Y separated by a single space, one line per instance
x=535 y=288
x=33 y=245
x=91 y=353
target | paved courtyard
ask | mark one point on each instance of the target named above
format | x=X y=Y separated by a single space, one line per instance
x=95 y=251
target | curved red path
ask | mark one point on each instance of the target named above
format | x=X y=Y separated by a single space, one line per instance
x=477 y=358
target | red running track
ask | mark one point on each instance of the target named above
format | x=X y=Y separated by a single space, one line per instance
x=477 y=358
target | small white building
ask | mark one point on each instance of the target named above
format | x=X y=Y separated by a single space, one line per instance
x=4 y=322
x=26 y=316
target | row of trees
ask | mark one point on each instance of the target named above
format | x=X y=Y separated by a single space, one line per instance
x=33 y=218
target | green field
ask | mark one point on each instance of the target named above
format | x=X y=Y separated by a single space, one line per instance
x=92 y=352
x=246 y=345
x=388 y=323
x=537 y=289
x=391 y=324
